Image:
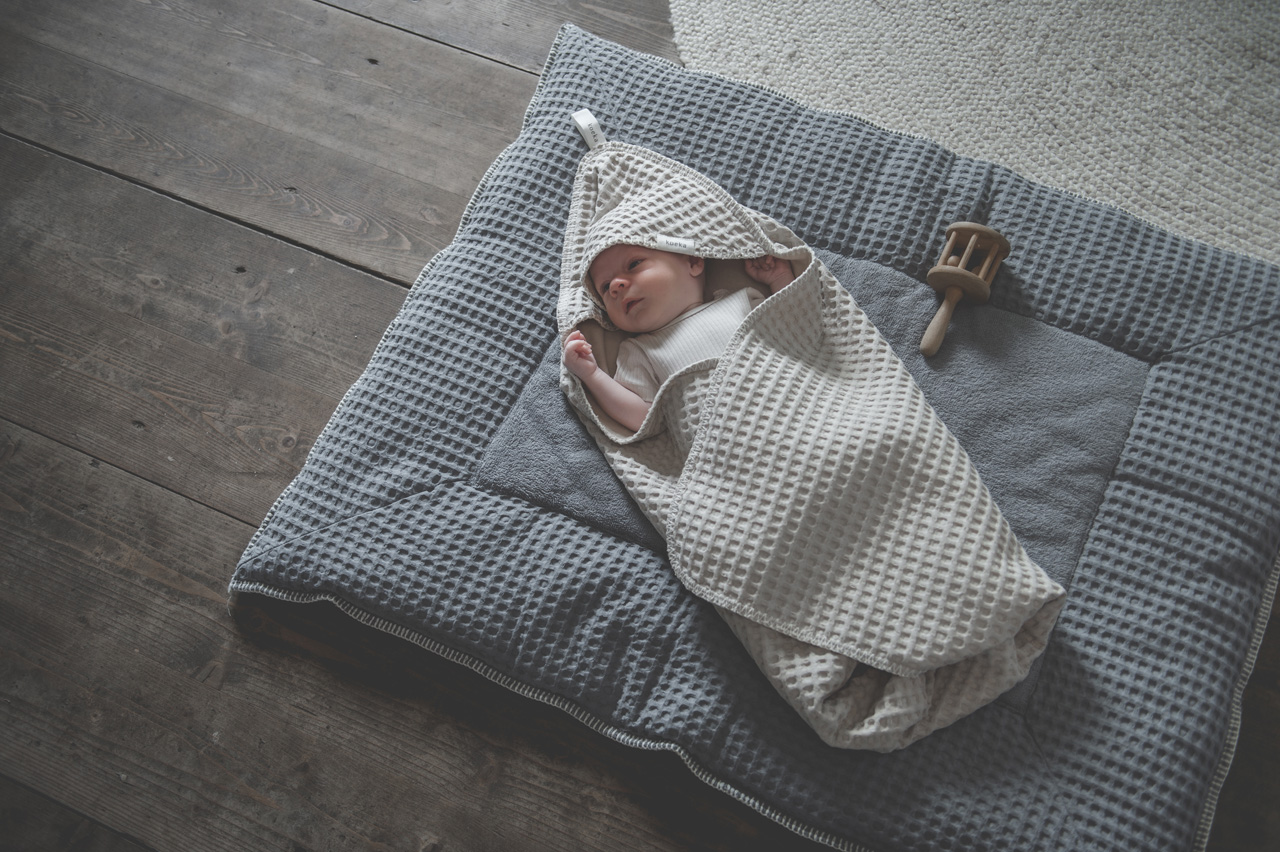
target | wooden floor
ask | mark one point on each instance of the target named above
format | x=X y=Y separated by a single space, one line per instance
x=211 y=210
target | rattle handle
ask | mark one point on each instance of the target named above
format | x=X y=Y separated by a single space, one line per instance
x=938 y=327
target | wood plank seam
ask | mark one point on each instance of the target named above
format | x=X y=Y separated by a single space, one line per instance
x=258 y=229
x=98 y=461
x=393 y=26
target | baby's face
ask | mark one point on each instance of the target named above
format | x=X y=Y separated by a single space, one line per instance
x=643 y=289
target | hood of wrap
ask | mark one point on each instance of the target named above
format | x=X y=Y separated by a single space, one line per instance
x=632 y=195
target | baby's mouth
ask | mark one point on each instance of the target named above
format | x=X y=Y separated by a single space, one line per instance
x=630 y=303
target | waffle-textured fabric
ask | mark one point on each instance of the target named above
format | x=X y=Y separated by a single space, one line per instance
x=1117 y=396
x=803 y=483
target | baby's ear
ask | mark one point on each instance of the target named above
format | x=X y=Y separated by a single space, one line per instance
x=697 y=265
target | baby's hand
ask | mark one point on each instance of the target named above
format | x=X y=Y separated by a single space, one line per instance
x=773 y=272
x=577 y=355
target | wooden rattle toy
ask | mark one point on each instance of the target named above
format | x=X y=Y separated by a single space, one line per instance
x=969 y=245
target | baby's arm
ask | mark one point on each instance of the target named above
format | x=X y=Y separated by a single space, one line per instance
x=618 y=401
x=773 y=272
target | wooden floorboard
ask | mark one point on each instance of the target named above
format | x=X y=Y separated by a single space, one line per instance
x=210 y=213
x=278 y=122
x=33 y=823
x=517 y=33
x=77 y=235
x=226 y=418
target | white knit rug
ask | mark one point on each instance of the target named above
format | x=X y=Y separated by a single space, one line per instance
x=1169 y=109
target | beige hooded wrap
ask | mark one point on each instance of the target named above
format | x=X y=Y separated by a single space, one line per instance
x=802 y=483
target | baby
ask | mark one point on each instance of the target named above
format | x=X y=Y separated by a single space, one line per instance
x=659 y=297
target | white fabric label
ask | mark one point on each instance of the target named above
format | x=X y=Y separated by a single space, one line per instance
x=676 y=244
x=588 y=127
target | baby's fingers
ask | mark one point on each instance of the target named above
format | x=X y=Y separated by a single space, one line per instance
x=578 y=358
x=578 y=351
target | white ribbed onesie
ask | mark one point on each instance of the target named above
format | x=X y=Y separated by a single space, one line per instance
x=701 y=333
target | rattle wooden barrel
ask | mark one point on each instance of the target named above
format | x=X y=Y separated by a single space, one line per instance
x=968 y=245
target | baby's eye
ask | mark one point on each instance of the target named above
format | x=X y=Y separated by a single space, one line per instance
x=633 y=264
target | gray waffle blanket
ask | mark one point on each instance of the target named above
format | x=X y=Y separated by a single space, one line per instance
x=1117 y=396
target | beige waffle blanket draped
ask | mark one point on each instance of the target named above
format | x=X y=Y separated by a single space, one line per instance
x=802 y=483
